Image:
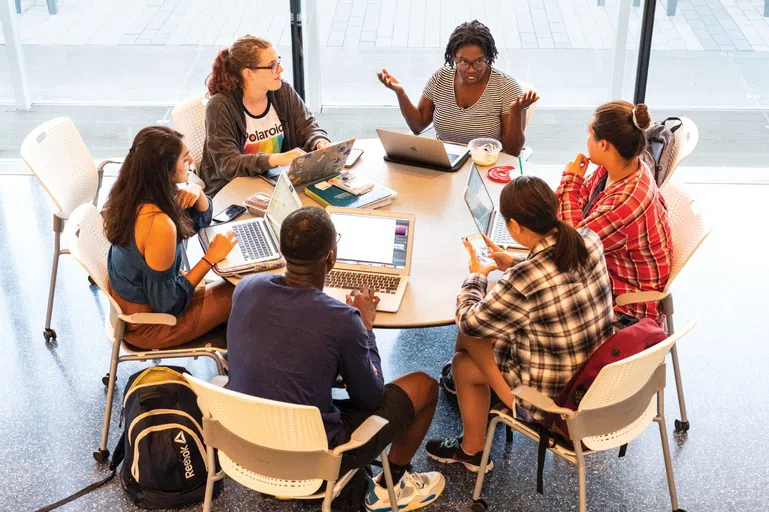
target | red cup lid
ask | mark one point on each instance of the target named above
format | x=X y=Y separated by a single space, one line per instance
x=500 y=174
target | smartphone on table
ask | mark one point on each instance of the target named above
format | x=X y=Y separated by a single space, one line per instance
x=482 y=250
x=229 y=213
x=353 y=157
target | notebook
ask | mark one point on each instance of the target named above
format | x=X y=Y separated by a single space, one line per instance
x=328 y=195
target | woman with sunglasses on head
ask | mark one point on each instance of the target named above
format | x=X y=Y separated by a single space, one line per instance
x=468 y=98
x=254 y=120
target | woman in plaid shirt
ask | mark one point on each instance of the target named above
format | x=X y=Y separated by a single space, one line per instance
x=620 y=202
x=536 y=326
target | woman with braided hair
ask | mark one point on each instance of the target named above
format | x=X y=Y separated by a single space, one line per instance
x=468 y=98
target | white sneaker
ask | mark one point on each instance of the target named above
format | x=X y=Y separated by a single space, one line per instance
x=414 y=491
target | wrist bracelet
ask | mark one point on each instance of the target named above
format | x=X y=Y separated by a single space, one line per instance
x=209 y=263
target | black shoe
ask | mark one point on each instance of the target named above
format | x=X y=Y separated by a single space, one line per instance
x=449 y=451
x=447 y=379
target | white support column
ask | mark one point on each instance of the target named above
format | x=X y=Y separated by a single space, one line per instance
x=8 y=20
x=620 y=49
x=311 y=48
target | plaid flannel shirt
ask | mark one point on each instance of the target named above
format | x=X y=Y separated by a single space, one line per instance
x=544 y=322
x=631 y=218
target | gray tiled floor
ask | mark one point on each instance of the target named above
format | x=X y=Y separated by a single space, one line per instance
x=53 y=397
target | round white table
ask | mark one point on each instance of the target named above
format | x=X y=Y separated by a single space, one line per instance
x=439 y=259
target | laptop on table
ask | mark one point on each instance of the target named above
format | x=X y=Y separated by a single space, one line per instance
x=405 y=148
x=258 y=238
x=488 y=219
x=374 y=251
x=315 y=166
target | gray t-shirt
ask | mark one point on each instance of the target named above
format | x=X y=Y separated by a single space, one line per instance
x=456 y=124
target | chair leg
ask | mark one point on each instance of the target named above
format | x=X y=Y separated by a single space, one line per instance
x=103 y=453
x=660 y=419
x=329 y=497
x=58 y=225
x=100 y=173
x=683 y=424
x=581 y=470
x=210 y=479
x=485 y=458
x=389 y=481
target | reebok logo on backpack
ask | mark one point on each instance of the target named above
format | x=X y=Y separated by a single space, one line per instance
x=162 y=450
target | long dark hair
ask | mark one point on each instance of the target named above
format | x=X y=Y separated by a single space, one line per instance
x=533 y=204
x=146 y=178
x=623 y=125
x=229 y=63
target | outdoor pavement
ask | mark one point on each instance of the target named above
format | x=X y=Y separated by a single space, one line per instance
x=710 y=54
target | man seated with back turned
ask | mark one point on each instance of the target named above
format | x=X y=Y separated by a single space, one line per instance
x=288 y=341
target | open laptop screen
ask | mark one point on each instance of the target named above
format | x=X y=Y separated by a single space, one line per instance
x=284 y=201
x=371 y=240
x=479 y=200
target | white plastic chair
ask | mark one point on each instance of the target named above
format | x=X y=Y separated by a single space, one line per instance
x=688 y=229
x=687 y=137
x=624 y=399
x=84 y=234
x=189 y=119
x=276 y=448
x=58 y=157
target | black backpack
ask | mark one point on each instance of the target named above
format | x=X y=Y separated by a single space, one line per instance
x=162 y=450
x=661 y=148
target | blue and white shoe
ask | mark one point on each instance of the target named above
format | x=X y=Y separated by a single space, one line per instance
x=414 y=491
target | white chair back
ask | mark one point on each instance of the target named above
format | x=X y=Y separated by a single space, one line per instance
x=57 y=155
x=268 y=424
x=687 y=137
x=618 y=382
x=687 y=225
x=189 y=119
x=84 y=235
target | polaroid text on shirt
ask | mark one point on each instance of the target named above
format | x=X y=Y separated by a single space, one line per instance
x=266 y=134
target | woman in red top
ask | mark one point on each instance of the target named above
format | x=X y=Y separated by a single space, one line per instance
x=620 y=201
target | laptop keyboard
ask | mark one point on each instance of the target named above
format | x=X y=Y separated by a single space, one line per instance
x=252 y=242
x=380 y=283
x=501 y=236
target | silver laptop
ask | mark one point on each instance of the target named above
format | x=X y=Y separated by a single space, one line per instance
x=258 y=238
x=315 y=166
x=404 y=148
x=489 y=221
x=374 y=251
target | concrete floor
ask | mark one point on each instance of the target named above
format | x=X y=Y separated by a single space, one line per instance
x=53 y=398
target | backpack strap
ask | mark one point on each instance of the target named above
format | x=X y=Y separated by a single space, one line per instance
x=675 y=127
x=118 y=454
x=544 y=440
x=81 y=492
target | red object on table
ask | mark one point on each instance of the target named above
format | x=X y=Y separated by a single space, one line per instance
x=500 y=174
